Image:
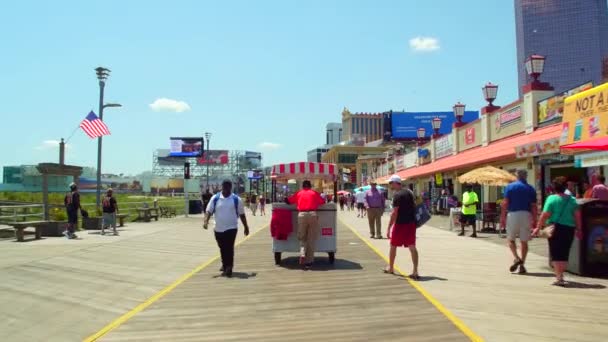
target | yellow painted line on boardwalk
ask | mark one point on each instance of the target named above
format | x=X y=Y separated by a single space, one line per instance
x=447 y=313
x=122 y=319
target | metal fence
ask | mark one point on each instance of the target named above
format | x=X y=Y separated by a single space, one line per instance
x=131 y=208
x=22 y=212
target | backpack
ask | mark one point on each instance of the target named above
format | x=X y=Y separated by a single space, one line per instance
x=67 y=200
x=235 y=199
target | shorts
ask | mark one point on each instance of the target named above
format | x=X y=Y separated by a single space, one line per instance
x=519 y=224
x=403 y=235
x=360 y=205
x=468 y=219
x=72 y=217
x=560 y=242
x=109 y=220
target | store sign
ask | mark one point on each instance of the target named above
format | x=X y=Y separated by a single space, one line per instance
x=411 y=159
x=328 y=231
x=399 y=161
x=585 y=116
x=553 y=107
x=507 y=118
x=538 y=148
x=469 y=136
x=591 y=159
x=444 y=146
x=439 y=179
x=424 y=156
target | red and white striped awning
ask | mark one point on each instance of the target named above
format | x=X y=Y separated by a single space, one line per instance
x=305 y=170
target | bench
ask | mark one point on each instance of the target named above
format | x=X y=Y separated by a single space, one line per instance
x=20 y=227
x=167 y=212
x=145 y=214
x=121 y=219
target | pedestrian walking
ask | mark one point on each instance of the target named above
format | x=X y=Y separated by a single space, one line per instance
x=226 y=208
x=402 y=225
x=353 y=201
x=253 y=203
x=307 y=202
x=468 y=217
x=262 y=206
x=561 y=211
x=600 y=191
x=518 y=215
x=374 y=204
x=72 y=206
x=360 y=198
x=110 y=210
x=342 y=201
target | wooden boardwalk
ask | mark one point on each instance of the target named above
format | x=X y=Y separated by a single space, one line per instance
x=351 y=301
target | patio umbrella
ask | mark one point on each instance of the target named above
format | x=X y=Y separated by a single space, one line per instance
x=487 y=175
x=343 y=192
x=367 y=187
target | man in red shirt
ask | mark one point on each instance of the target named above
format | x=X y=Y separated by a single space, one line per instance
x=307 y=202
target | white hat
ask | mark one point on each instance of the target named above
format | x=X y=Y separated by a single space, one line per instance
x=394 y=179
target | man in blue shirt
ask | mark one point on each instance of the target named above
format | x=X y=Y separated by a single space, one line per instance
x=518 y=215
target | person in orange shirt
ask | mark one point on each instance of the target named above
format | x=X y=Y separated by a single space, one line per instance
x=307 y=202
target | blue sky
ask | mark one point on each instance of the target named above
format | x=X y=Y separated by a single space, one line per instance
x=260 y=75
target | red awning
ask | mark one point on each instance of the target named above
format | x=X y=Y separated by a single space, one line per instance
x=498 y=150
x=600 y=144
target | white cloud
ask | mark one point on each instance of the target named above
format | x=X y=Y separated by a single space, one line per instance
x=50 y=145
x=424 y=44
x=164 y=104
x=268 y=145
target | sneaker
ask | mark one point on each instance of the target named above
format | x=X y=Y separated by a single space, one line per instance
x=473 y=235
x=115 y=233
x=103 y=232
x=372 y=236
x=74 y=236
x=515 y=265
x=522 y=269
x=379 y=237
x=66 y=234
x=229 y=272
x=461 y=234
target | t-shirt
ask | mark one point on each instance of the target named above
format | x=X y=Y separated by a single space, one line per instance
x=468 y=200
x=307 y=200
x=224 y=212
x=72 y=201
x=521 y=196
x=109 y=204
x=360 y=196
x=406 y=207
x=600 y=191
x=562 y=209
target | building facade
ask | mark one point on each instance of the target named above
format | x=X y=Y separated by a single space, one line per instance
x=361 y=128
x=333 y=134
x=316 y=155
x=572 y=34
x=346 y=156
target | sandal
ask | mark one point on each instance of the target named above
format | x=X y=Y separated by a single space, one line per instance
x=386 y=271
x=560 y=283
x=414 y=276
x=515 y=265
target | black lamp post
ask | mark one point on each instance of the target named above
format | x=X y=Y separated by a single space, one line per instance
x=102 y=76
x=207 y=137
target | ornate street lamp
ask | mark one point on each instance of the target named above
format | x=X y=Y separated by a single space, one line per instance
x=489 y=93
x=436 y=126
x=535 y=65
x=458 y=114
x=421 y=132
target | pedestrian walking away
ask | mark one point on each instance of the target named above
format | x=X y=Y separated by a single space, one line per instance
x=518 y=215
x=110 y=210
x=374 y=204
x=262 y=206
x=360 y=198
x=226 y=208
x=468 y=217
x=307 y=202
x=72 y=206
x=352 y=202
x=253 y=203
x=402 y=226
x=563 y=213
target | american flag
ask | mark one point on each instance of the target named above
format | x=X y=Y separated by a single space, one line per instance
x=93 y=126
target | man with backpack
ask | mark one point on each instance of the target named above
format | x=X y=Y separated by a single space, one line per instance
x=227 y=209
x=110 y=209
x=72 y=206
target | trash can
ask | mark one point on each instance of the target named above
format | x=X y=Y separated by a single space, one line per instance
x=195 y=207
x=589 y=256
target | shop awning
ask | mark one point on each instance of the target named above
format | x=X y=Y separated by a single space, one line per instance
x=600 y=144
x=498 y=150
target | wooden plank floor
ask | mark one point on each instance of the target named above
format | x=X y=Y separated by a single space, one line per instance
x=352 y=301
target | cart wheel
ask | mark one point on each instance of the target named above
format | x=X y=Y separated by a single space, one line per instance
x=277 y=258
x=332 y=257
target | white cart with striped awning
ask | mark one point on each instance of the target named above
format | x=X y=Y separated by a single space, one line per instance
x=328 y=219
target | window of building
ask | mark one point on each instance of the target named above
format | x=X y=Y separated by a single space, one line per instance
x=347 y=158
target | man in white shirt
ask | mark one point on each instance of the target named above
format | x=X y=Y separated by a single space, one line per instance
x=227 y=208
x=360 y=197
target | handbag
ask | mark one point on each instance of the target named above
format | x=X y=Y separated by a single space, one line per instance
x=422 y=213
x=549 y=230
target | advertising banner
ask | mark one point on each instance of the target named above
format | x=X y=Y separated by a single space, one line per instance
x=411 y=159
x=585 y=116
x=469 y=137
x=213 y=157
x=538 y=148
x=444 y=146
x=405 y=124
x=553 y=107
x=400 y=162
x=508 y=117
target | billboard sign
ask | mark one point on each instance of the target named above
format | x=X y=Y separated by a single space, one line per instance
x=405 y=124
x=585 y=116
x=255 y=174
x=444 y=146
x=186 y=147
x=553 y=107
x=253 y=159
x=213 y=157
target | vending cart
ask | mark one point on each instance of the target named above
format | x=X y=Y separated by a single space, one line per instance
x=284 y=224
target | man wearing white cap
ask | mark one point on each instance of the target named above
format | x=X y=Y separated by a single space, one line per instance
x=402 y=225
